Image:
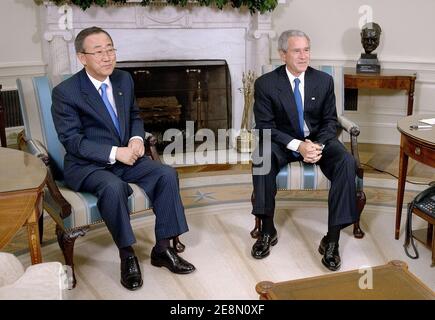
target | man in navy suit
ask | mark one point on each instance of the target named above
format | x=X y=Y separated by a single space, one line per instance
x=297 y=103
x=98 y=123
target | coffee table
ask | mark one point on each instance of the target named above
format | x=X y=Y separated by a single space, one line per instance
x=391 y=281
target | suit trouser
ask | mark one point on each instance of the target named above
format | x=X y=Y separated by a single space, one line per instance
x=158 y=181
x=337 y=164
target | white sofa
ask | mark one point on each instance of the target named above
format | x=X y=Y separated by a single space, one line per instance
x=44 y=281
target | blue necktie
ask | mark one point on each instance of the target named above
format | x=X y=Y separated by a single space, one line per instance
x=299 y=105
x=109 y=107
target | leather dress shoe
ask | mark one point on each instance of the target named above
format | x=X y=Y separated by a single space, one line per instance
x=261 y=247
x=131 y=277
x=171 y=260
x=331 y=257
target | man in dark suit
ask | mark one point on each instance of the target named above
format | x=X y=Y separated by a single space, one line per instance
x=297 y=103
x=98 y=123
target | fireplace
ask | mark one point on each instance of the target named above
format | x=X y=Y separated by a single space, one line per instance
x=166 y=33
x=171 y=92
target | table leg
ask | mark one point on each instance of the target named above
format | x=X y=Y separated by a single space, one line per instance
x=2 y=122
x=411 y=97
x=433 y=246
x=33 y=233
x=403 y=168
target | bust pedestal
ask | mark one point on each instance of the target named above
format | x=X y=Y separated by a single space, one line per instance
x=368 y=63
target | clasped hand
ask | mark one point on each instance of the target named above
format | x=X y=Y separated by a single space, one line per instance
x=310 y=151
x=131 y=153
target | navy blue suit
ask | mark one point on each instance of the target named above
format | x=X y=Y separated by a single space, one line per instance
x=87 y=132
x=275 y=109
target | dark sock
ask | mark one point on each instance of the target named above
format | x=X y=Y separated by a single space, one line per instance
x=161 y=245
x=334 y=233
x=267 y=225
x=126 y=252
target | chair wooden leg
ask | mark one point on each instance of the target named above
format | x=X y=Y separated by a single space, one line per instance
x=177 y=245
x=360 y=203
x=255 y=233
x=66 y=242
x=41 y=227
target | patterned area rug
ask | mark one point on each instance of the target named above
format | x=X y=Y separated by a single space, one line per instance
x=219 y=244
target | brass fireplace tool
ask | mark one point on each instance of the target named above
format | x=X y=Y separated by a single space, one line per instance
x=245 y=141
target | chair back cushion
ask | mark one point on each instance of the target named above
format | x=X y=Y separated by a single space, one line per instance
x=56 y=150
x=30 y=110
x=35 y=103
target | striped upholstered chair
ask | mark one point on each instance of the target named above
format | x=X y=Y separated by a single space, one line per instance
x=305 y=176
x=73 y=212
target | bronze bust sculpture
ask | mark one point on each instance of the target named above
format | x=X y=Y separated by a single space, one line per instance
x=370 y=36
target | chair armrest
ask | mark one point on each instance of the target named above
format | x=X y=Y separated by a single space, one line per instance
x=353 y=129
x=349 y=126
x=37 y=149
x=150 y=147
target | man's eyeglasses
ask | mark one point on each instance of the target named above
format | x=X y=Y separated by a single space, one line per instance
x=101 y=53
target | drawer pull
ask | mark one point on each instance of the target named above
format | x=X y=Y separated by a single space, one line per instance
x=417 y=151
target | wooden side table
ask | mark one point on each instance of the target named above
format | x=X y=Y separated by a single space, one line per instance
x=420 y=146
x=386 y=79
x=2 y=121
x=392 y=281
x=21 y=187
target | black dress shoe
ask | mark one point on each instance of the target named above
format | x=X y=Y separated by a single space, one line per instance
x=171 y=260
x=331 y=257
x=261 y=247
x=131 y=277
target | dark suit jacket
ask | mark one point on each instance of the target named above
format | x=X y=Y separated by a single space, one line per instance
x=275 y=106
x=84 y=125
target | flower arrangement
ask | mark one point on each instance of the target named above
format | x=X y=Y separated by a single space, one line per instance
x=245 y=142
x=248 y=95
x=261 y=6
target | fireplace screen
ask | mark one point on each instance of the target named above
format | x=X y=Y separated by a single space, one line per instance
x=169 y=93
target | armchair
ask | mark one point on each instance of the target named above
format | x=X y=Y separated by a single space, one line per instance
x=73 y=212
x=305 y=176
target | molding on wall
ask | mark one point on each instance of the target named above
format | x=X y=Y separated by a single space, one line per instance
x=393 y=63
x=11 y=70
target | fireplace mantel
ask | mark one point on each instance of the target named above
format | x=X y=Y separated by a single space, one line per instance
x=164 y=33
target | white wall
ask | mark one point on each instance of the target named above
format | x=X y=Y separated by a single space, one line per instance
x=407 y=27
x=21 y=51
x=406 y=43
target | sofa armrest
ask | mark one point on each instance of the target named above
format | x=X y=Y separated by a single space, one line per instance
x=11 y=269
x=43 y=281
